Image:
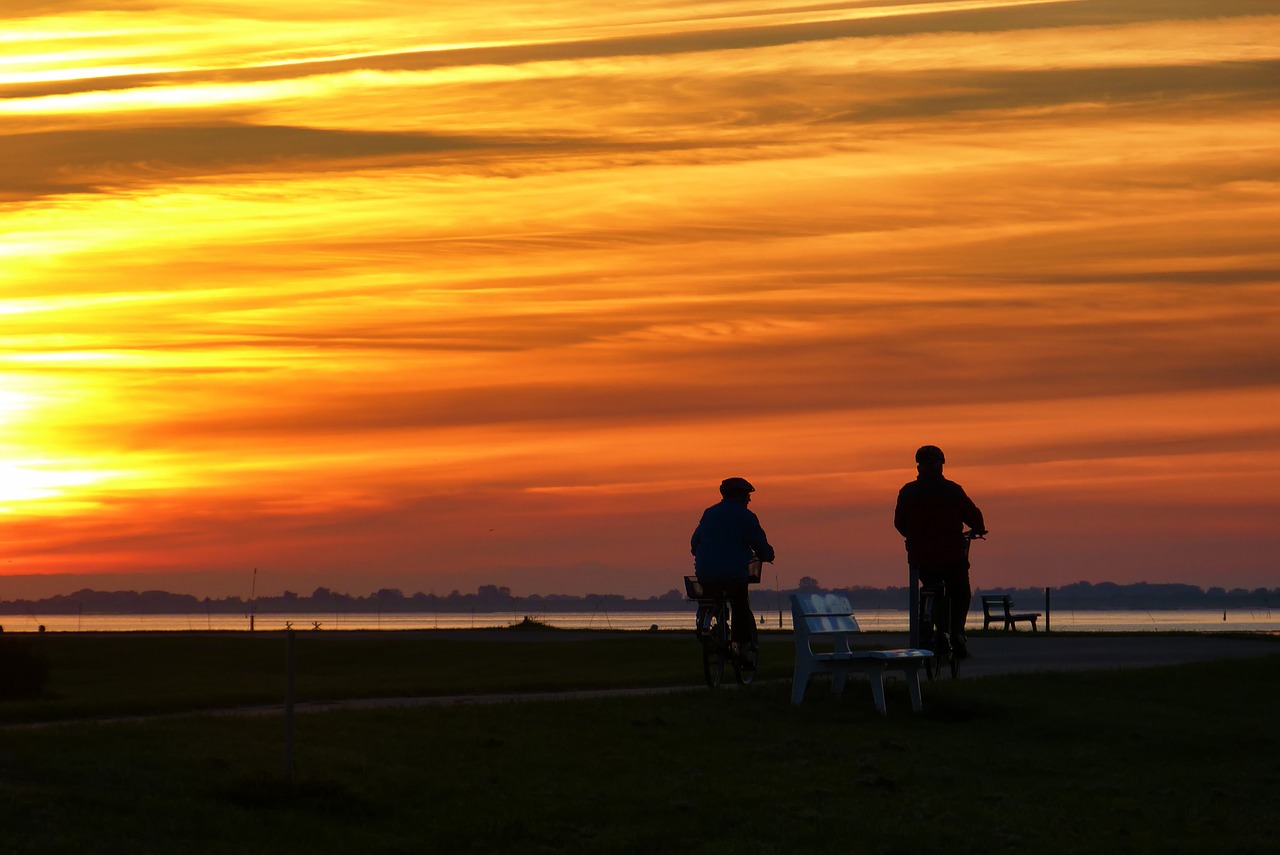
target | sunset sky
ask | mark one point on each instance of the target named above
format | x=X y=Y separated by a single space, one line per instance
x=379 y=294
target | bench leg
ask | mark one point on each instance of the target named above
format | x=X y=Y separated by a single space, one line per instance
x=912 y=676
x=800 y=681
x=838 y=677
x=877 y=690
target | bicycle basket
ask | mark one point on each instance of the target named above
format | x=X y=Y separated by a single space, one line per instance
x=753 y=571
x=693 y=588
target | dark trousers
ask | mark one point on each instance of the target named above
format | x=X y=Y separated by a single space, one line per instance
x=744 y=622
x=955 y=580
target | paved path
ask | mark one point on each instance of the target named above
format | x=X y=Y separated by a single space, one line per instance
x=1028 y=652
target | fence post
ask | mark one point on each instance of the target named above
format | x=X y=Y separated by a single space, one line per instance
x=290 y=670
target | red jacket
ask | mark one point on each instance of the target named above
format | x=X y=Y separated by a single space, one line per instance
x=931 y=514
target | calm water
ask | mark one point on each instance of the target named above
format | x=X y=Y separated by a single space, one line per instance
x=1260 y=620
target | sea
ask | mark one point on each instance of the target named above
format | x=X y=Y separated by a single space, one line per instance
x=1178 y=620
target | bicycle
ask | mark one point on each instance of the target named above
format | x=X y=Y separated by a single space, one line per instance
x=935 y=621
x=714 y=629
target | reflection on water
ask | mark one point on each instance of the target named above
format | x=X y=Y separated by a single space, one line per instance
x=1188 y=620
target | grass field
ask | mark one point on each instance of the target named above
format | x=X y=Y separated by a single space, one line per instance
x=141 y=673
x=1172 y=760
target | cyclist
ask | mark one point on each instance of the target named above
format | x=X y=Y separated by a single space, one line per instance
x=727 y=537
x=931 y=514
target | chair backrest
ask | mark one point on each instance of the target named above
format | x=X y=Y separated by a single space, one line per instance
x=822 y=614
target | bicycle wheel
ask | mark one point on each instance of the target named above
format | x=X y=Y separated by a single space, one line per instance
x=929 y=636
x=944 y=658
x=715 y=647
x=745 y=664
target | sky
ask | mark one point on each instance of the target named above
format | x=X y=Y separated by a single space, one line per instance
x=360 y=294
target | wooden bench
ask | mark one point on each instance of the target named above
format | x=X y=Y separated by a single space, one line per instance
x=998 y=608
x=828 y=620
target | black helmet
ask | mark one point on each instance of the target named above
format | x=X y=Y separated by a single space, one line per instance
x=930 y=454
x=735 y=485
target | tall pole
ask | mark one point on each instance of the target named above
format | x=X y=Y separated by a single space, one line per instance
x=253 y=598
x=913 y=606
x=777 y=590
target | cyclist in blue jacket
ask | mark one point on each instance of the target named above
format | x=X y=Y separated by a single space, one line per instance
x=727 y=537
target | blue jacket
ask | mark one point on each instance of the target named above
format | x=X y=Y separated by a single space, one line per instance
x=727 y=537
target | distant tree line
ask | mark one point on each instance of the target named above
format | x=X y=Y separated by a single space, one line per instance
x=493 y=598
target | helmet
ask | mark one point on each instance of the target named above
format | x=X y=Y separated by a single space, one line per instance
x=735 y=485
x=930 y=454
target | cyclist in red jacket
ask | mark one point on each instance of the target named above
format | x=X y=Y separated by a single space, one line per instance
x=931 y=514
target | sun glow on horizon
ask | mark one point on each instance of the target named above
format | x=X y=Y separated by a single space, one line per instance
x=30 y=481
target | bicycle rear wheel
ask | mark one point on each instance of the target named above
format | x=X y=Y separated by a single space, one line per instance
x=715 y=648
x=744 y=666
x=944 y=657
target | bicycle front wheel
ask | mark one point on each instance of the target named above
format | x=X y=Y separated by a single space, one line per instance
x=715 y=648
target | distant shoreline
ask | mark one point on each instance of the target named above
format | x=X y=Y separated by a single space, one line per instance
x=1210 y=621
x=491 y=599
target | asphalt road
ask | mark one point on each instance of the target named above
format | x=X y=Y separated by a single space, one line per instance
x=1024 y=652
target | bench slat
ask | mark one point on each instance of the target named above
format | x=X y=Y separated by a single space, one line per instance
x=827 y=624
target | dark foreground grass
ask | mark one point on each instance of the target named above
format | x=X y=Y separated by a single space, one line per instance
x=1169 y=760
x=140 y=673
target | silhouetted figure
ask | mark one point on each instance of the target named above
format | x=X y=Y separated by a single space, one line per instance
x=931 y=514
x=727 y=538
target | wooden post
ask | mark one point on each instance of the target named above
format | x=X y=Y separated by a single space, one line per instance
x=1048 y=608
x=290 y=670
x=913 y=606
